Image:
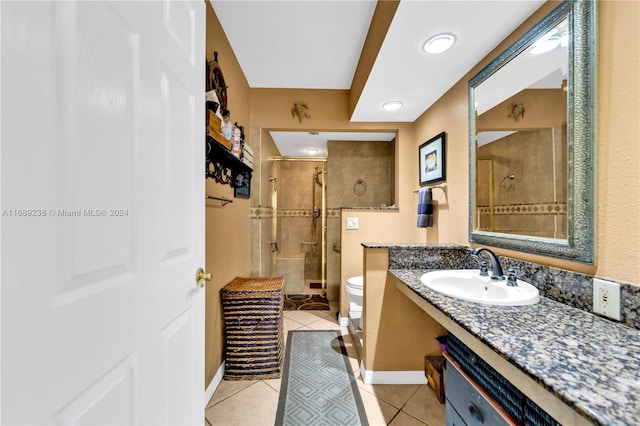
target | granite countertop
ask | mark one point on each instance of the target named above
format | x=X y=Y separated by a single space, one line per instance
x=590 y=363
x=390 y=208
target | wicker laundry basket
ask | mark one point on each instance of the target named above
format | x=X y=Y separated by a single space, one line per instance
x=253 y=325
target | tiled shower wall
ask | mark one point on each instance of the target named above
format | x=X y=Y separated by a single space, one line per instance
x=262 y=210
x=372 y=162
x=360 y=174
x=292 y=186
x=348 y=163
x=298 y=230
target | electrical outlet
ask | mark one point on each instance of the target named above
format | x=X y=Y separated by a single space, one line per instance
x=606 y=298
x=352 y=223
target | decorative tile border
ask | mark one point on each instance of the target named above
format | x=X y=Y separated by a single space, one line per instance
x=525 y=209
x=333 y=213
x=261 y=212
x=294 y=213
x=265 y=212
x=383 y=207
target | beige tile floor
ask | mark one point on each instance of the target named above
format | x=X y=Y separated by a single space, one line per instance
x=254 y=402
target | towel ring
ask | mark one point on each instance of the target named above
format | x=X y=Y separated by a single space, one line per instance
x=360 y=187
x=508 y=184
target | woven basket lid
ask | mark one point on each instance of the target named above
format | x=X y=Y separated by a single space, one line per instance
x=254 y=284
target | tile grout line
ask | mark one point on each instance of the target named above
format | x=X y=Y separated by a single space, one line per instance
x=405 y=404
x=234 y=394
x=308 y=322
x=401 y=408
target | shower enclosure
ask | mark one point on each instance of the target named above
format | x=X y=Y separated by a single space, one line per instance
x=299 y=248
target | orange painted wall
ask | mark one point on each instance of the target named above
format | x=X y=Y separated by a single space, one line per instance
x=543 y=108
x=617 y=162
x=617 y=148
x=329 y=110
x=227 y=238
x=617 y=142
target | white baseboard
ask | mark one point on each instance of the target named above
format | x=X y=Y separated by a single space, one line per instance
x=213 y=385
x=392 y=377
x=343 y=321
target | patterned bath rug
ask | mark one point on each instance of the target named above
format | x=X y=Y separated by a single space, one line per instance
x=318 y=385
x=305 y=302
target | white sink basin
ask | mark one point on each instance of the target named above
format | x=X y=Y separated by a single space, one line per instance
x=467 y=284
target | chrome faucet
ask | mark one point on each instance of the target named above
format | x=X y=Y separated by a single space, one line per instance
x=496 y=269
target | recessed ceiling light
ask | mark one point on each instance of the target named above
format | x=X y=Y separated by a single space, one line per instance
x=392 y=105
x=312 y=151
x=439 y=43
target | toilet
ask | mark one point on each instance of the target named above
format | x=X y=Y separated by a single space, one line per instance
x=354 y=290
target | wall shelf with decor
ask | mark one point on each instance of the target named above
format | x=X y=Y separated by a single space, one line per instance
x=224 y=167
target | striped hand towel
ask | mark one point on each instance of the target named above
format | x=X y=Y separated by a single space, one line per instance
x=425 y=208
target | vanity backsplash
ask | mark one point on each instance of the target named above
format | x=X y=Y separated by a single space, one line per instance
x=571 y=288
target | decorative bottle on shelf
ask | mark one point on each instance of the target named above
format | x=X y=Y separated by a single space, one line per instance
x=236 y=147
x=241 y=139
x=227 y=127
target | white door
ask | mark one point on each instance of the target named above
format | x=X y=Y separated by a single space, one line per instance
x=102 y=175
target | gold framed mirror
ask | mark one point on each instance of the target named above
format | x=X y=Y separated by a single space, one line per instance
x=531 y=140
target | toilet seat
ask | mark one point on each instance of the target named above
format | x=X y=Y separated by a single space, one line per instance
x=355 y=294
x=355 y=282
x=354 y=290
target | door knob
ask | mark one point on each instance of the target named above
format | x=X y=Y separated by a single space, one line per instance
x=202 y=276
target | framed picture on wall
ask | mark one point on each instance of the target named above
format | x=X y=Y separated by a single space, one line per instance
x=432 y=160
x=242 y=191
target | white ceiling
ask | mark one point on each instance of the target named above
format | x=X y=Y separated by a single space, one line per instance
x=317 y=44
x=296 y=44
x=296 y=143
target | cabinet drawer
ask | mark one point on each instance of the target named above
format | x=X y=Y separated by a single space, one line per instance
x=472 y=404
x=452 y=416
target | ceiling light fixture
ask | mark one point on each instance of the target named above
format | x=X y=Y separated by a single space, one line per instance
x=564 y=39
x=439 y=43
x=546 y=46
x=312 y=151
x=546 y=43
x=392 y=105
